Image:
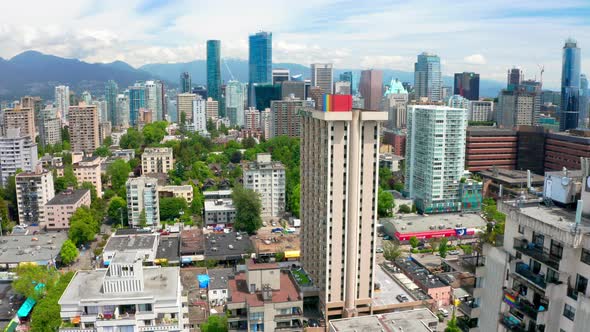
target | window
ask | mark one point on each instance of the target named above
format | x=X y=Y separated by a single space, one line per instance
x=581 y=284
x=521 y=229
x=538 y=239
x=556 y=249
x=569 y=312
x=585 y=256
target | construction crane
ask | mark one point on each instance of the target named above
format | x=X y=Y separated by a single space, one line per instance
x=227 y=67
x=542 y=70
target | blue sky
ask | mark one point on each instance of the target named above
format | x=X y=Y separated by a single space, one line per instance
x=483 y=36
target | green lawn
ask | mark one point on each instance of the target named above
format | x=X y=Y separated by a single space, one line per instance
x=301 y=277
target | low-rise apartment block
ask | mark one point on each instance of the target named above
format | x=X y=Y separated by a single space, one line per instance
x=33 y=191
x=185 y=191
x=62 y=206
x=157 y=160
x=89 y=170
x=267 y=178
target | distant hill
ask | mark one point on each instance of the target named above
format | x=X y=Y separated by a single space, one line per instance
x=36 y=73
x=239 y=69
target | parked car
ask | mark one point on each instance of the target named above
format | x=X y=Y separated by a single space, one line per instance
x=454 y=252
x=402 y=298
x=379 y=250
x=444 y=312
x=387 y=237
x=277 y=230
x=313 y=323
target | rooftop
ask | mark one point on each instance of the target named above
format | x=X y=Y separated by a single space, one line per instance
x=424 y=223
x=68 y=197
x=218 y=278
x=390 y=156
x=40 y=248
x=157 y=150
x=192 y=241
x=86 y=286
x=511 y=177
x=168 y=248
x=228 y=246
x=419 y=273
x=239 y=291
x=415 y=320
x=267 y=242
x=252 y=265
x=131 y=242
x=489 y=131
x=219 y=205
x=554 y=216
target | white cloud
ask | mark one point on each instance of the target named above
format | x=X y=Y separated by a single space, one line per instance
x=386 y=62
x=475 y=59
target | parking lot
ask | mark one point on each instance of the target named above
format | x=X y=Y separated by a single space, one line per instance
x=389 y=289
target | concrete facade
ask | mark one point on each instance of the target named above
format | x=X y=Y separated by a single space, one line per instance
x=16 y=152
x=23 y=118
x=267 y=178
x=157 y=160
x=33 y=191
x=83 y=127
x=89 y=170
x=62 y=206
x=142 y=195
x=488 y=147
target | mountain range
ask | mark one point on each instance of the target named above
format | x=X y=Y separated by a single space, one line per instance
x=35 y=73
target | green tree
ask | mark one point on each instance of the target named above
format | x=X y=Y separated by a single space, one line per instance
x=215 y=323
x=197 y=203
x=46 y=315
x=29 y=276
x=133 y=139
x=10 y=195
x=117 y=211
x=248 y=142
x=68 y=252
x=404 y=208
x=90 y=186
x=68 y=180
x=84 y=225
x=434 y=243
x=170 y=207
x=414 y=242
x=391 y=251
x=154 y=132
x=248 y=207
x=452 y=324
x=142 y=219
x=102 y=151
x=295 y=200
x=119 y=171
x=443 y=247
x=236 y=157
x=279 y=256
x=385 y=204
x=200 y=171
x=6 y=224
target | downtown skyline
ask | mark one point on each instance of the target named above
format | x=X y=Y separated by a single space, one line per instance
x=315 y=31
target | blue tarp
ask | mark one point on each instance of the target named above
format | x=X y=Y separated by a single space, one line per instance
x=203 y=280
x=186 y=260
x=26 y=308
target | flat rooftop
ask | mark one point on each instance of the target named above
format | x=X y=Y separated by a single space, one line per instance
x=267 y=242
x=218 y=278
x=419 y=273
x=168 y=248
x=559 y=217
x=217 y=246
x=416 y=320
x=192 y=241
x=513 y=177
x=212 y=205
x=131 y=242
x=68 y=197
x=197 y=307
x=239 y=291
x=389 y=289
x=40 y=248
x=421 y=223
x=86 y=286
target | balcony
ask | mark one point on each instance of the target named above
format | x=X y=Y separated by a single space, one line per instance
x=512 y=323
x=524 y=271
x=159 y=328
x=294 y=325
x=525 y=306
x=295 y=313
x=540 y=254
x=468 y=308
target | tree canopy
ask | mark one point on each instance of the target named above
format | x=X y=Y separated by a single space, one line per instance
x=118 y=172
x=84 y=225
x=170 y=208
x=385 y=203
x=248 y=208
x=68 y=252
x=117 y=211
x=154 y=132
x=215 y=323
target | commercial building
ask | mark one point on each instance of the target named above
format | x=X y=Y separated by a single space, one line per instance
x=16 y=152
x=62 y=101
x=185 y=192
x=342 y=88
x=83 y=128
x=264 y=94
x=267 y=178
x=456 y=101
x=219 y=211
x=111 y=91
x=252 y=119
x=157 y=160
x=138 y=241
x=416 y=320
x=467 y=85
x=394 y=102
x=33 y=191
x=515 y=76
x=125 y=296
x=270 y=302
x=137 y=101
x=280 y=75
x=89 y=170
x=295 y=88
x=566 y=149
x=235 y=100
x=212 y=109
x=397 y=139
x=435 y=156
x=184 y=105
x=338 y=206
x=285 y=116
x=23 y=118
x=502 y=183
x=322 y=75
x=143 y=199
x=428 y=77
x=489 y=147
x=41 y=249
x=198 y=118
x=230 y=248
x=519 y=105
x=570 y=86
x=62 y=206
x=259 y=62
x=371 y=88
x=481 y=110
x=531 y=148
x=214 y=69
x=185 y=83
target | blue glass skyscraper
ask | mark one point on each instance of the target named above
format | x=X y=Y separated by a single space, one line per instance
x=584 y=100
x=428 y=77
x=570 y=86
x=214 y=69
x=259 y=62
x=185 y=82
x=111 y=90
x=137 y=101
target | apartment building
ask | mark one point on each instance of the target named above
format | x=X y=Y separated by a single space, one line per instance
x=83 y=128
x=267 y=178
x=339 y=167
x=185 y=192
x=89 y=170
x=126 y=296
x=16 y=152
x=264 y=298
x=33 y=191
x=62 y=206
x=142 y=197
x=20 y=117
x=157 y=160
